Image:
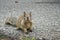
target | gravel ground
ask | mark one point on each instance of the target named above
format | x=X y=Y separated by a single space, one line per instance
x=46 y=18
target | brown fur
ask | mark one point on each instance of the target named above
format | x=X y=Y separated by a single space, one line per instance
x=24 y=22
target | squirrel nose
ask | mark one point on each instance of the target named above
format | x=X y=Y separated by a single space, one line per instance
x=27 y=18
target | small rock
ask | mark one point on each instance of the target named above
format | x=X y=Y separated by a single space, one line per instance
x=16 y=1
x=43 y=39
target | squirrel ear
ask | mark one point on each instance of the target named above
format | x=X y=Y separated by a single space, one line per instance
x=24 y=14
x=30 y=16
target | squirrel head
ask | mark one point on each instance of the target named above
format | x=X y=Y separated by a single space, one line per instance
x=27 y=19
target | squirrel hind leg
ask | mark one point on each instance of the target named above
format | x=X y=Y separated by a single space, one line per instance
x=19 y=29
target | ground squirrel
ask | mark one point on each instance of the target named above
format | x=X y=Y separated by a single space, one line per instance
x=24 y=22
